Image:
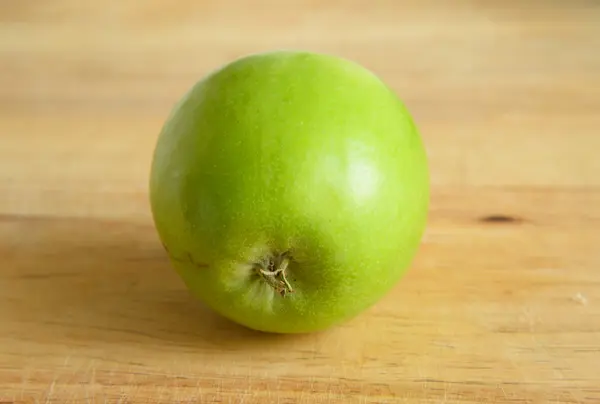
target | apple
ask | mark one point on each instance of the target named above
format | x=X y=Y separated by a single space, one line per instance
x=290 y=190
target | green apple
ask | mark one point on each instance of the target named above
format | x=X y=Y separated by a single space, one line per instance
x=290 y=190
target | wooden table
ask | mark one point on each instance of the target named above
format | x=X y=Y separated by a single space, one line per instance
x=502 y=304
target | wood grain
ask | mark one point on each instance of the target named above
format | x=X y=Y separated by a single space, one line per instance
x=501 y=304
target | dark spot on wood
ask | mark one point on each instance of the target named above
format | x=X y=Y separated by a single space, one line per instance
x=500 y=218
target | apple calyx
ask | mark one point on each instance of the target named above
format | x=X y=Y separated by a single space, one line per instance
x=273 y=271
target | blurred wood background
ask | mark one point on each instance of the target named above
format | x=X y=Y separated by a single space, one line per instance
x=502 y=304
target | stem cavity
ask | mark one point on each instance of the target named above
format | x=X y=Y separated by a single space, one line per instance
x=273 y=271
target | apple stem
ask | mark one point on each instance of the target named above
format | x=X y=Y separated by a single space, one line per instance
x=276 y=278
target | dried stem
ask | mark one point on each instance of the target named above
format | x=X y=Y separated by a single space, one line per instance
x=273 y=271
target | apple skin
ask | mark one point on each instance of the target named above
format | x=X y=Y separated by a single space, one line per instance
x=290 y=152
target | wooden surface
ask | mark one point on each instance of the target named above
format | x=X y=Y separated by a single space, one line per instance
x=498 y=310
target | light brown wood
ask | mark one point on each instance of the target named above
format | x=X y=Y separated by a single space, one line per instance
x=506 y=94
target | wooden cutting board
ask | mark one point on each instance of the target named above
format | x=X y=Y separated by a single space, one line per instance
x=501 y=305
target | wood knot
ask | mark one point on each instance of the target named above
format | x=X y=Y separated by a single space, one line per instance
x=500 y=218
